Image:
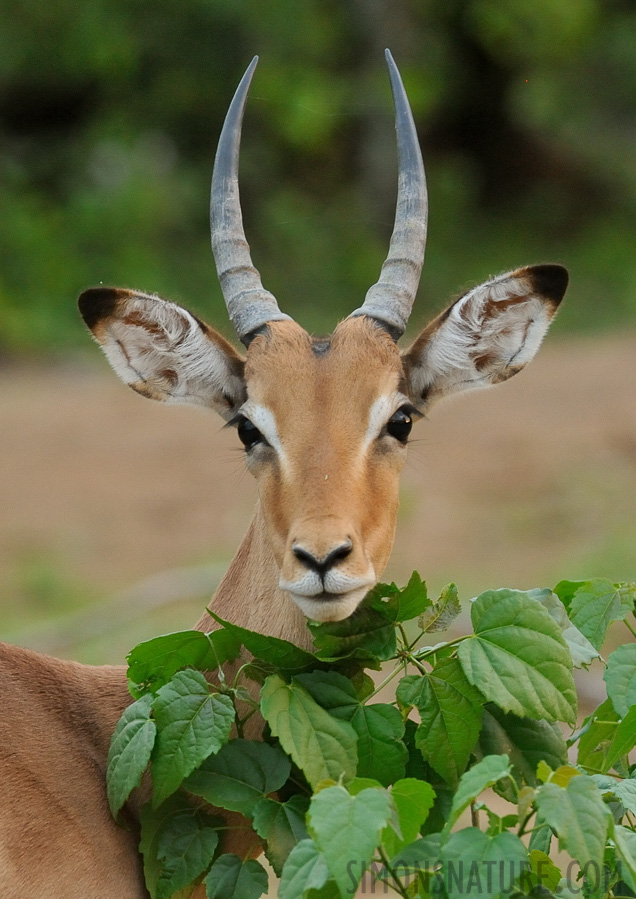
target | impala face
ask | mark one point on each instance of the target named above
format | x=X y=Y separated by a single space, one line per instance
x=325 y=423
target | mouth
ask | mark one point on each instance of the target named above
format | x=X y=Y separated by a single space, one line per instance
x=326 y=606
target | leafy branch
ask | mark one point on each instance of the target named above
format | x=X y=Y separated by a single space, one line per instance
x=341 y=786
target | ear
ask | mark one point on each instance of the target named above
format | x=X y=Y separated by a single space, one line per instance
x=487 y=335
x=163 y=351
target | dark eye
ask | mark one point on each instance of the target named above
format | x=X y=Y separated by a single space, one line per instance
x=249 y=435
x=399 y=425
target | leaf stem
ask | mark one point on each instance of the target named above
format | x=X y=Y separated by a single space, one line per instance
x=398 y=885
x=629 y=627
x=387 y=680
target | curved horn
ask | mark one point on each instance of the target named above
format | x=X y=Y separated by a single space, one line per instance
x=389 y=301
x=250 y=306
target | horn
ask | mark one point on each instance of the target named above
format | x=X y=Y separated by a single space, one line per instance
x=390 y=301
x=250 y=306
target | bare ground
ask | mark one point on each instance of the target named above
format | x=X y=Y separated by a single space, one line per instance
x=519 y=486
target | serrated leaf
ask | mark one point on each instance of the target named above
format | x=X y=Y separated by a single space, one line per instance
x=232 y=878
x=625 y=790
x=544 y=869
x=306 y=874
x=367 y=635
x=154 y=823
x=484 y=774
x=518 y=658
x=400 y=604
x=192 y=723
x=625 y=841
x=413 y=800
x=579 y=817
x=331 y=690
x=593 y=605
x=151 y=664
x=441 y=613
x=322 y=746
x=379 y=727
x=240 y=774
x=129 y=752
x=581 y=650
x=381 y=753
x=620 y=677
x=525 y=741
x=280 y=654
x=282 y=826
x=450 y=710
x=474 y=863
x=622 y=742
x=185 y=849
x=596 y=734
x=341 y=824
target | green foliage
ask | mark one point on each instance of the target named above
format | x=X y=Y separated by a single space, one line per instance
x=109 y=115
x=341 y=788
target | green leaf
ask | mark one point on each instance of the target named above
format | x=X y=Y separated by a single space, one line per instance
x=306 y=874
x=544 y=869
x=450 y=709
x=581 y=650
x=484 y=774
x=192 y=724
x=152 y=664
x=381 y=753
x=346 y=827
x=593 y=605
x=525 y=741
x=596 y=734
x=366 y=635
x=129 y=752
x=332 y=691
x=518 y=658
x=476 y=864
x=625 y=841
x=400 y=605
x=280 y=654
x=578 y=816
x=322 y=746
x=623 y=741
x=442 y=613
x=240 y=774
x=154 y=824
x=625 y=791
x=282 y=825
x=185 y=849
x=413 y=800
x=231 y=878
x=379 y=727
x=620 y=677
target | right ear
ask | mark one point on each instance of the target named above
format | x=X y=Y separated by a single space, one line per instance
x=163 y=351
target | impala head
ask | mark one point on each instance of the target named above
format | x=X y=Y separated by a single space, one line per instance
x=325 y=423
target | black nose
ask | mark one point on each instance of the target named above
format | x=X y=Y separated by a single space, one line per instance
x=322 y=566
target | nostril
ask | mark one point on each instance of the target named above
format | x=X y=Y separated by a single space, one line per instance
x=321 y=566
x=338 y=554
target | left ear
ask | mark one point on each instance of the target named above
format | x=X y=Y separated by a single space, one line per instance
x=486 y=336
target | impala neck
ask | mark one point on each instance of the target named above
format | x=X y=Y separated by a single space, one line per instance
x=249 y=595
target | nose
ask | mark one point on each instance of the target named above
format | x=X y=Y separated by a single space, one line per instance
x=322 y=565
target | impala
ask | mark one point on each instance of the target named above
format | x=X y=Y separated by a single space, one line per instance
x=325 y=425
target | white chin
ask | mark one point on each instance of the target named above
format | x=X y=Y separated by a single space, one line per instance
x=324 y=609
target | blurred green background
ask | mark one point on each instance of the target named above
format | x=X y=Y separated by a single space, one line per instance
x=110 y=111
x=109 y=115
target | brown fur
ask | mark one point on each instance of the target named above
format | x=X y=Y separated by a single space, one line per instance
x=336 y=480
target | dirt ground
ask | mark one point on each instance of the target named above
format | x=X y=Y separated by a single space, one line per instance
x=520 y=486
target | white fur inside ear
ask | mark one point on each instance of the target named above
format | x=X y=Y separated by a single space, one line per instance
x=487 y=336
x=161 y=351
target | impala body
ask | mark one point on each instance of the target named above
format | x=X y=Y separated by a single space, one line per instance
x=325 y=426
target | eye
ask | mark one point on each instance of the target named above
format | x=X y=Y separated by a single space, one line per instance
x=400 y=424
x=249 y=435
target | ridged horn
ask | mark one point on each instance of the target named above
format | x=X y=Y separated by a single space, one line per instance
x=390 y=301
x=249 y=305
